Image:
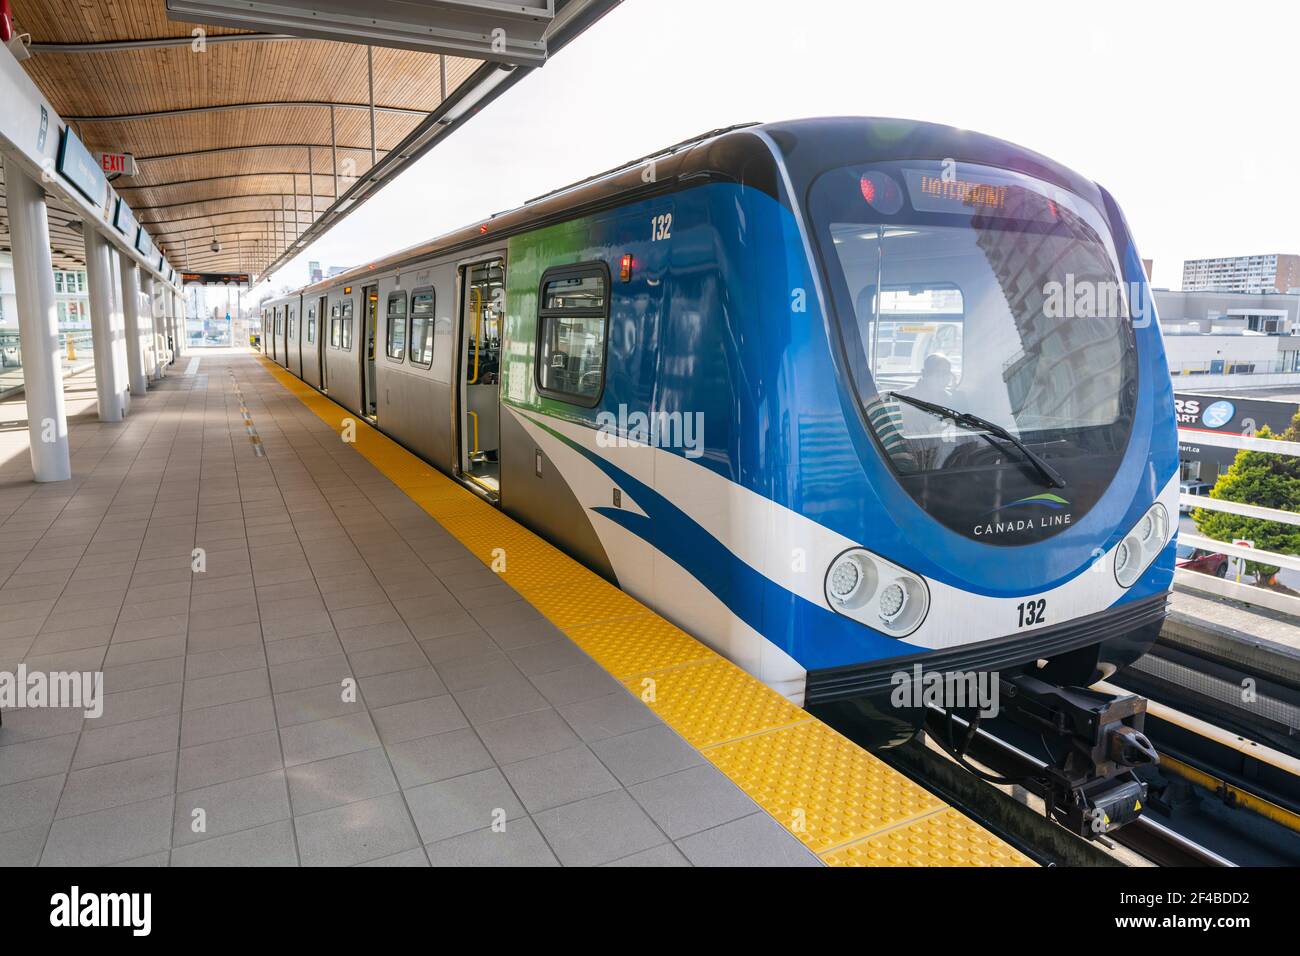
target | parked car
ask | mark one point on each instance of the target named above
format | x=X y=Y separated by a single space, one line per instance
x=1192 y=488
x=1204 y=562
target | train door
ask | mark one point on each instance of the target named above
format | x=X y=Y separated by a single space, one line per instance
x=282 y=339
x=301 y=331
x=322 y=332
x=482 y=286
x=370 y=320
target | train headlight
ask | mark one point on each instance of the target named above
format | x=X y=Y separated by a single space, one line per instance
x=892 y=601
x=1139 y=547
x=846 y=578
x=877 y=592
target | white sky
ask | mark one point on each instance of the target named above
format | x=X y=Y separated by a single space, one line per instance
x=1184 y=111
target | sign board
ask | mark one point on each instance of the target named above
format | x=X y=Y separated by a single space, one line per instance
x=1216 y=414
x=123 y=219
x=215 y=278
x=80 y=169
x=143 y=244
x=117 y=164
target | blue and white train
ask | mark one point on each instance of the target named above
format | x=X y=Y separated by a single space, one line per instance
x=837 y=396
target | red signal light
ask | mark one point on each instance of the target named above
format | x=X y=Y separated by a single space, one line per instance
x=868 y=190
x=483 y=229
x=625 y=268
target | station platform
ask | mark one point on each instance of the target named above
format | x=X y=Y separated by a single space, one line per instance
x=529 y=715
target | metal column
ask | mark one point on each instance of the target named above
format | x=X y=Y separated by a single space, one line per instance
x=110 y=389
x=120 y=365
x=135 y=370
x=38 y=326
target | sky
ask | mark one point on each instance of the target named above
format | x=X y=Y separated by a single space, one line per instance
x=1184 y=111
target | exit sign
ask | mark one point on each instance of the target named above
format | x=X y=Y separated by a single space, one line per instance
x=121 y=164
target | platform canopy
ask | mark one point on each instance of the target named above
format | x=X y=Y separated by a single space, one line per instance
x=244 y=130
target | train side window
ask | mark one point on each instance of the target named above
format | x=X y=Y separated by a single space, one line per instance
x=311 y=325
x=292 y=315
x=397 y=325
x=572 y=322
x=345 y=325
x=334 y=326
x=422 y=302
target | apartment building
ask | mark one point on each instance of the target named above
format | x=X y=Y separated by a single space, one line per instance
x=1274 y=272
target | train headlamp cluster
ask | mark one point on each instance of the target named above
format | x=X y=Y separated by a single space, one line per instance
x=877 y=592
x=1139 y=547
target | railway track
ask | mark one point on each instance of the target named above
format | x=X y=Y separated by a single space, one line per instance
x=1153 y=839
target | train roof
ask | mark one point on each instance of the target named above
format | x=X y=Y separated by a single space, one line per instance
x=736 y=154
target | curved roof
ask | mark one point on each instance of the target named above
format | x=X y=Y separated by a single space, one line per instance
x=259 y=140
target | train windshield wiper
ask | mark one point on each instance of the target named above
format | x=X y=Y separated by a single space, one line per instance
x=987 y=428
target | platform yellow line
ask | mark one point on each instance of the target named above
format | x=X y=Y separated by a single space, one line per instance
x=842 y=802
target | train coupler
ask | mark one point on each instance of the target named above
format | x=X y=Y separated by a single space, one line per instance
x=1093 y=742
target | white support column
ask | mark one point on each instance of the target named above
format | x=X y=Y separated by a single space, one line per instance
x=38 y=326
x=178 y=316
x=109 y=387
x=131 y=323
x=153 y=327
x=119 y=328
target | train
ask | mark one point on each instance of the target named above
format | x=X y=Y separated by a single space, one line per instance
x=841 y=397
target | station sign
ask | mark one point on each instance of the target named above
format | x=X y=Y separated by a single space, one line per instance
x=117 y=164
x=76 y=164
x=215 y=278
x=143 y=244
x=123 y=219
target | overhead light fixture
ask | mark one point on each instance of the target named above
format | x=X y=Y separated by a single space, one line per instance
x=20 y=46
x=482 y=29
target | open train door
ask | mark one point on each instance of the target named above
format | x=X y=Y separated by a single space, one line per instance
x=478 y=416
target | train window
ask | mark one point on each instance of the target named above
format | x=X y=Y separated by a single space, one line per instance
x=311 y=326
x=292 y=315
x=345 y=325
x=334 y=326
x=422 y=327
x=397 y=325
x=572 y=321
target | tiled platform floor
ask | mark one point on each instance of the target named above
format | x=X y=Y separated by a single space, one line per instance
x=224 y=689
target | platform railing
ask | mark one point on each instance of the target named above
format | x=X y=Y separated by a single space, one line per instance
x=1223 y=587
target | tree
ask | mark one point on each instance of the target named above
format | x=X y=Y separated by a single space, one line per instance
x=1264 y=479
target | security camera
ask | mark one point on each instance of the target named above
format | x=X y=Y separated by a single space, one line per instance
x=216 y=245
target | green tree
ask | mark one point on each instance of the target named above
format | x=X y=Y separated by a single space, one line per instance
x=1264 y=479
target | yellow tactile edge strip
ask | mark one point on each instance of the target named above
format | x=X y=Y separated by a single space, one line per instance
x=844 y=804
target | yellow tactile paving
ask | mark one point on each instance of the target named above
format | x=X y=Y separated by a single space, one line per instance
x=826 y=789
x=714 y=701
x=843 y=803
x=942 y=838
x=633 y=646
x=583 y=602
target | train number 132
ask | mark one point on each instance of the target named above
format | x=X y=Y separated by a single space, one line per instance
x=1032 y=612
x=661 y=227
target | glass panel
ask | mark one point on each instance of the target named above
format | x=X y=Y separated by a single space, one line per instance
x=397 y=326
x=572 y=355
x=422 y=328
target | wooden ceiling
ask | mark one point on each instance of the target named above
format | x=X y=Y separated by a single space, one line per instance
x=233 y=140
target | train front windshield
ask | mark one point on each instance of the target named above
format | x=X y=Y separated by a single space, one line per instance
x=973 y=293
